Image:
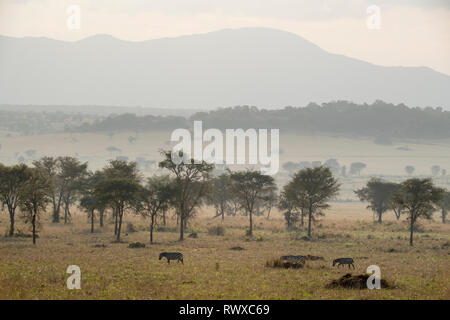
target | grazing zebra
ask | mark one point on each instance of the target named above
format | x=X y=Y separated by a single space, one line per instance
x=342 y=261
x=172 y=256
x=301 y=259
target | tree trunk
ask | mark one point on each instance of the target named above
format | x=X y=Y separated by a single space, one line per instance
x=55 y=214
x=444 y=215
x=309 y=221
x=152 y=221
x=164 y=218
x=268 y=213
x=115 y=212
x=181 y=227
x=11 y=219
x=250 y=230
x=302 y=217
x=119 y=228
x=92 y=221
x=380 y=221
x=101 y=213
x=33 y=222
x=411 y=233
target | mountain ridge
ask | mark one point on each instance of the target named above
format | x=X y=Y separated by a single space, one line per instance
x=254 y=66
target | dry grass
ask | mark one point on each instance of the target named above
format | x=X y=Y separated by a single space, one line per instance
x=212 y=271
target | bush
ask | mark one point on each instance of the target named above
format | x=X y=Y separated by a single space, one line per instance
x=134 y=245
x=193 y=234
x=216 y=231
x=130 y=228
x=277 y=263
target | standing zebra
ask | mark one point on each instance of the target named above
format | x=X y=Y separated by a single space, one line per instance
x=172 y=256
x=342 y=261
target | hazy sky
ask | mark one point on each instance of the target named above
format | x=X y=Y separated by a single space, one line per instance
x=412 y=33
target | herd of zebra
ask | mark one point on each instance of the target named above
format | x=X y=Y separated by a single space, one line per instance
x=296 y=259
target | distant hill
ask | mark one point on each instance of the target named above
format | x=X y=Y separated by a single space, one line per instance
x=252 y=66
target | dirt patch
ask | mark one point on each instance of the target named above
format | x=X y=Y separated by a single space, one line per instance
x=350 y=281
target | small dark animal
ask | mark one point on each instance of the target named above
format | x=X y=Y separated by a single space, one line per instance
x=342 y=261
x=172 y=256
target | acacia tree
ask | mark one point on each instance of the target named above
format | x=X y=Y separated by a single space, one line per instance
x=444 y=205
x=287 y=203
x=118 y=188
x=155 y=198
x=379 y=195
x=419 y=199
x=34 y=199
x=315 y=187
x=357 y=167
x=72 y=173
x=12 y=181
x=90 y=199
x=220 y=194
x=192 y=182
x=250 y=187
x=52 y=168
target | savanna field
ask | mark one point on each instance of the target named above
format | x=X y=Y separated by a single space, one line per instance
x=228 y=266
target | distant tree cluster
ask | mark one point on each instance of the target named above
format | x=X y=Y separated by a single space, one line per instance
x=379 y=120
x=417 y=198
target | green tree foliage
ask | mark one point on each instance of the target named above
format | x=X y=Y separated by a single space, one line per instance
x=34 y=198
x=12 y=180
x=118 y=188
x=379 y=195
x=419 y=199
x=220 y=196
x=444 y=205
x=249 y=187
x=192 y=181
x=315 y=187
x=155 y=198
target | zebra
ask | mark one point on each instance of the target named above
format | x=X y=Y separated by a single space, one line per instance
x=291 y=258
x=342 y=261
x=172 y=256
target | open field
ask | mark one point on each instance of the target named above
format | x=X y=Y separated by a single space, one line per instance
x=212 y=270
x=389 y=160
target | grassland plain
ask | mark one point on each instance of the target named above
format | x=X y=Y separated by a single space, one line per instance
x=212 y=270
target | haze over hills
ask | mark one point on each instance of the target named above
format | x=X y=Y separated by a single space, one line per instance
x=254 y=66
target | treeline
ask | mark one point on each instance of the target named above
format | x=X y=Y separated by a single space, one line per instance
x=380 y=120
x=119 y=189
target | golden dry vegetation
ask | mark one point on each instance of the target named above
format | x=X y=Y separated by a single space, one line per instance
x=212 y=270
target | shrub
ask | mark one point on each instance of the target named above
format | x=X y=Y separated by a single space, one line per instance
x=130 y=228
x=277 y=263
x=216 y=231
x=136 y=245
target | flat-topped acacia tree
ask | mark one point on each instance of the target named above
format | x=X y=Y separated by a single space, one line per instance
x=12 y=181
x=314 y=188
x=419 y=198
x=250 y=187
x=192 y=183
